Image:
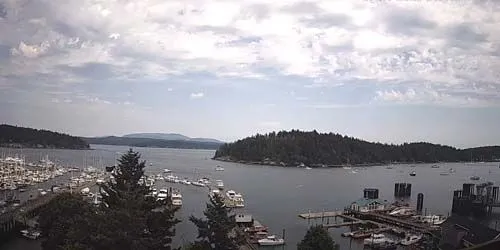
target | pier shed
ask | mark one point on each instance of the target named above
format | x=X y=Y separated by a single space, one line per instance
x=244 y=220
x=365 y=205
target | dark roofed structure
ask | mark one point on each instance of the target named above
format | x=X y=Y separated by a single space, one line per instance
x=460 y=232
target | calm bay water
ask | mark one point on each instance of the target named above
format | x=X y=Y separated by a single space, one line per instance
x=276 y=195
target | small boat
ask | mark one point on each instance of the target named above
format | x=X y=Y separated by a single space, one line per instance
x=186 y=182
x=347 y=234
x=389 y=167
x=166 y=170
x=198 y=183
x=176 y=198
x=219 y=184
x=452 y=170
x=475 y=178
x=413 y=173
x=347 y=168
x=271 y=240
x=33 y=235
x=444 y=173
x=219 y=168
x=377 y=239
x=411 y=239
x=435 y=166
x=308 y=168
x=402 y=211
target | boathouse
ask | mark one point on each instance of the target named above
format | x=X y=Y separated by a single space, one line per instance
x=244 y=220
x=365 y=205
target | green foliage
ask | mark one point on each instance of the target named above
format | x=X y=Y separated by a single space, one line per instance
x=66 y=222
x=218 y=230
x=128 y=217
x=317 y=238
x=314 y=149
x=28 y=137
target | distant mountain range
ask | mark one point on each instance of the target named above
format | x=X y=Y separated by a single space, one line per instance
x=160 y=140
x=170 y=137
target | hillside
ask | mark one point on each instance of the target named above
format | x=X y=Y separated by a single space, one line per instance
x=147 y=142
x=170 y=137
x=312 y=148
x=13 y=136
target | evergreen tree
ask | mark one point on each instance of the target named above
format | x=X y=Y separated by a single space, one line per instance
x=67 y=222
x=218 y=231
x=317 y=238
x=143 y=222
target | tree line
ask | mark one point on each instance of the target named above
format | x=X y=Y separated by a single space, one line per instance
x=148 y=142
x=13 y=136
x=295 y=147
x=130 y=218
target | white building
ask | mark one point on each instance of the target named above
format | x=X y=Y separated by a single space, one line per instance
x=369 y=205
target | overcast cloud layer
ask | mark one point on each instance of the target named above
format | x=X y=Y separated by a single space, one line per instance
x=228 y=69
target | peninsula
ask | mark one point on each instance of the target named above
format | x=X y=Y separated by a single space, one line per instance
x=328 y=149
x=13 y=136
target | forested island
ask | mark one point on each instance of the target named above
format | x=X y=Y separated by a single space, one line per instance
x=13 y=136
x=329 y=149
x=148 y=142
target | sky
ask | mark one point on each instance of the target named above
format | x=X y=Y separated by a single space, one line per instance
x=387 y=71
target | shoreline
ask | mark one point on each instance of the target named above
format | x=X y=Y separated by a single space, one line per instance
x=35 y=147
x=282 y=164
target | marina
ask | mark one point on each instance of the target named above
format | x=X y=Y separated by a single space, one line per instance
x=282 y=193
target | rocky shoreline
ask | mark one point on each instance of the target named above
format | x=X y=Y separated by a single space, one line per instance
x=283 y=164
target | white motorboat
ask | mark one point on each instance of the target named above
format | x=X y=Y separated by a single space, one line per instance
x=377 y=239
x=186 y=182
x=413 y=173
x=271 y=240
x=219 y=183
x=176 y=198
x=214 y=192
x=411 y=239
x=431 y=219
x=308 y=168
x=85 y=190
x=163 y=194
x=166 y=170
x=219 y=168
x=198 y=183
x=402 y=211
x=347 y=168
x=235 y=199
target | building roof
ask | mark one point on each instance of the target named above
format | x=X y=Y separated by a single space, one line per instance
x=365 y=202
x=490 y=245
x=243 y=218
x=477 y=233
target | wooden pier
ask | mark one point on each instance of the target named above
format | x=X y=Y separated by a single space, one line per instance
x=343 y=224
x=321 y=215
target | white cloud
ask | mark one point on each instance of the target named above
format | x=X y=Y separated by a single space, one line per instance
x=440 y=42
x=197 y=95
